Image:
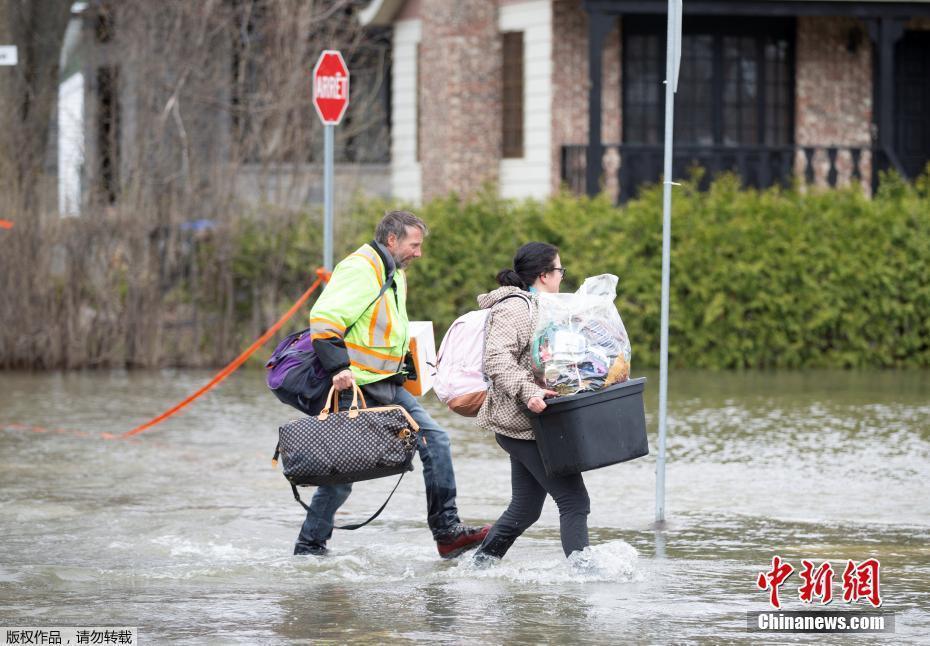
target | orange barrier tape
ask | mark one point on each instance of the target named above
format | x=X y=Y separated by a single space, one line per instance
x=72 y=432
x=6 y=224
x=322 y=275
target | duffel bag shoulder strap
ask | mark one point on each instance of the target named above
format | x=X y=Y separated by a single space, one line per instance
x=354 y=525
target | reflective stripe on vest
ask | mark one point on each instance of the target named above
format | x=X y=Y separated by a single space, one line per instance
x=321 y=328
x=372 y=360
x=379 y=329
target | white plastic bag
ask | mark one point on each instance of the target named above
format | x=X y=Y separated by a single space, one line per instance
x=580 y=342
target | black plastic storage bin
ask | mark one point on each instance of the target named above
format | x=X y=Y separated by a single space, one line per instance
x=593 y=429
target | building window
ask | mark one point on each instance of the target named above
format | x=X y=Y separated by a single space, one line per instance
x=272 y=117
x=642 y=78
x=247 y=95
x=735 y=88
x=104 y=23
x=107 y=109
x=512 y=94
x=108 y=132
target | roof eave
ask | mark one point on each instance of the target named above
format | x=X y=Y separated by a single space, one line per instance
x=380 y=13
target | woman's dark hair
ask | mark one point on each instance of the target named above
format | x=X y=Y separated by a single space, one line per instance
x=531 y=260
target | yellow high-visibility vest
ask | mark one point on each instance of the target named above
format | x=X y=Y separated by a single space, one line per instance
x=380 y=338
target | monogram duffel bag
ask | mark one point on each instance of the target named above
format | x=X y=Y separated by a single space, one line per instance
x=336 y=446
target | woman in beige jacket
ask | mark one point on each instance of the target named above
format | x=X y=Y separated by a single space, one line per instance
x=512 y=392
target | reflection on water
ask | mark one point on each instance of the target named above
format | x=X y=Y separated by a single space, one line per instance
x=186 y=532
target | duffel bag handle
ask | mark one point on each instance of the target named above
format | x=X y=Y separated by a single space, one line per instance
x=356 y=395
x=332 y=402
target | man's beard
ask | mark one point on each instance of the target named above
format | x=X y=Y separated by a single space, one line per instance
x=401 y=263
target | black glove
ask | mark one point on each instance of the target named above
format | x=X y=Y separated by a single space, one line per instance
x=410 y=367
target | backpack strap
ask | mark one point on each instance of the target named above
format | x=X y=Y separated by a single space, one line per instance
x=354 y=525
x=526 y=299
x=386 y=286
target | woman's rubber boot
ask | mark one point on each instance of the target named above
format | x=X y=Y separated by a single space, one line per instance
x=493 y=550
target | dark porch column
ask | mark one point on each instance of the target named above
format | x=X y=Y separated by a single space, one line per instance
x=599 y=25
x=885 y=32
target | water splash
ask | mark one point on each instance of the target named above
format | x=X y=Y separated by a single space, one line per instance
x=614 y=561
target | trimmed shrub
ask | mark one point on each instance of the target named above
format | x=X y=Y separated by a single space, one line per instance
x=778 y=278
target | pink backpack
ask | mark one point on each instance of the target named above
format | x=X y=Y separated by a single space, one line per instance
x=460 y=381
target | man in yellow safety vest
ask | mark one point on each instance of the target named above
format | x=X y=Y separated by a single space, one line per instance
x=360 y=333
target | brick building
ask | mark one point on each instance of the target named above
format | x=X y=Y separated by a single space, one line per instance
x=505 y=90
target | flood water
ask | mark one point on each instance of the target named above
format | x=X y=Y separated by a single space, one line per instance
x=186 y=531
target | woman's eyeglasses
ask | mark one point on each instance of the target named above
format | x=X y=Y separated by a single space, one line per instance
x=561 y=270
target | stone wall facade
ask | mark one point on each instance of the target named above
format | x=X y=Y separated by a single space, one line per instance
x=833 y=97
x=833 y=88
x=460 y=96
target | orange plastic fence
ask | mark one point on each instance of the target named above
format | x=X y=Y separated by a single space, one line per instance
x=6 y=224
x=322 y=276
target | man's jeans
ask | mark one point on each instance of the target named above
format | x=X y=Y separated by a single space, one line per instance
x=433 y=447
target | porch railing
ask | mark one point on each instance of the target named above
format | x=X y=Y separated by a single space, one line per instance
x=626 y=167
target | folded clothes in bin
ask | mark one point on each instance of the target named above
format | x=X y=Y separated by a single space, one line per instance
x=592 y=429
x=580 y=343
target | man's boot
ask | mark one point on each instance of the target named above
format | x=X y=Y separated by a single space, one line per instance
x=460 y=538
x=310 y=549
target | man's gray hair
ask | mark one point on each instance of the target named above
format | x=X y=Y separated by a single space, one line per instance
x=396 y=222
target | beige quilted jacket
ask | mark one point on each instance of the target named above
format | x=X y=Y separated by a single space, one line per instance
x=507 y=363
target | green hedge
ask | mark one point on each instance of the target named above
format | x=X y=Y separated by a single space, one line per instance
x=782 y=278
x=760 y=279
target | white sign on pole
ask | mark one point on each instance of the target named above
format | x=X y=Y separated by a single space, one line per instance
x=677 y=17
x=9 y=55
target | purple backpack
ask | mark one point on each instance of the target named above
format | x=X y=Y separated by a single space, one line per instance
x=296 y=376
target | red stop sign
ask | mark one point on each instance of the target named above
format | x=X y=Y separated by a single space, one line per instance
x=331 y=87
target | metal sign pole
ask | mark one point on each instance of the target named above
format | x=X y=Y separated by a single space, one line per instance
x=331 y=99
x=328 y=197
x=673 y=56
